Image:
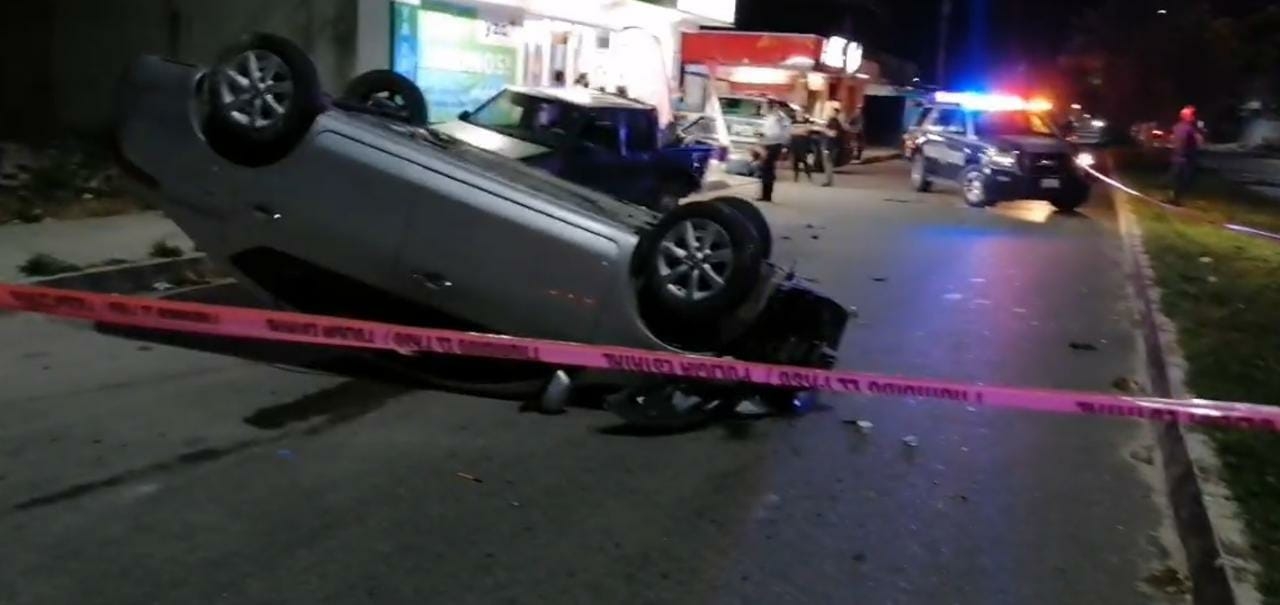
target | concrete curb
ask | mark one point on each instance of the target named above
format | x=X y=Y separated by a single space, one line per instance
x=1207 y=526
x=878 y=159
x=134 y=277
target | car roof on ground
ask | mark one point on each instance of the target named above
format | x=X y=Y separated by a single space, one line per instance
x=582 y=96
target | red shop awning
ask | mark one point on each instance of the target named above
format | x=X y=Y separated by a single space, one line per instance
x=799 y=51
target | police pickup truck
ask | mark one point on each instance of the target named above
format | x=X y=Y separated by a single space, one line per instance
x=997 y=148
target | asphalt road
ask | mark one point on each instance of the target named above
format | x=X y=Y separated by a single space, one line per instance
x=133 y=472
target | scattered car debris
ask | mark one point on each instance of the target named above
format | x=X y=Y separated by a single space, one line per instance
x=1128 y=385
x=911 y=441
x=863 y=425
x=1083 y=346
x=1168 y=580
x=471 y=478
x=1143 y=455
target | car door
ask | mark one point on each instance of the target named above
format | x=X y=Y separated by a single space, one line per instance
x=324 y=205
x=940 y=131
x=483 y=243
x=955 y=135
x=595 y=159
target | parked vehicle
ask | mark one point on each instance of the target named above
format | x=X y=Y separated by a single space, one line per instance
x=339 y=207
x=600 y=140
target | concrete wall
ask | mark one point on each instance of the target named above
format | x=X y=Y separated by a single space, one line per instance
x=60 y=59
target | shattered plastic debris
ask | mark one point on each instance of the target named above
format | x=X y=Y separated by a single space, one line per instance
x=471 y=478
x=911 y=441
x=863 y=425
x=1083 y=346
x=1127 y=385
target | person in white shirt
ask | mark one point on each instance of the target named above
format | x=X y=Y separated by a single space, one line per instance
x=775 y=134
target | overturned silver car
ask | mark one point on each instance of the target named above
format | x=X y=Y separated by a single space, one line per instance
x=334 y=206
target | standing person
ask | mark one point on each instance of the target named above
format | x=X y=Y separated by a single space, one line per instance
x=1187 y=141
x=834 y=139
x=773 y=137
x=857 y=131
x=800 y=148
x=557 y=78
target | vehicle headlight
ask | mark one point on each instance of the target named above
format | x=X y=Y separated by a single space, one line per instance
x=1002 y=159
x=1086 y=159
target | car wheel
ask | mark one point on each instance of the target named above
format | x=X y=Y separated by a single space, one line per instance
x=974 y=185
x=919 y=174
x=1068 y=204
x=700 y=260
x=263 y=94
x=390 y=93
x=754 y=216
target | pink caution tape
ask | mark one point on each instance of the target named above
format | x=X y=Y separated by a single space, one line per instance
x=319 y=330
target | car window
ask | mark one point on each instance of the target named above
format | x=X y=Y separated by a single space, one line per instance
x=527 y=117
x=924 y=116
x=603 y=134
x=742 y=108
x=642 y=133
x=1006 y=123
x=947 y=120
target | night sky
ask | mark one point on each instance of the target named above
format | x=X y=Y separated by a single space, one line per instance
x=986 y=36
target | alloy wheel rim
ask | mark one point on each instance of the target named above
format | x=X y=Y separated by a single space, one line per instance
x=256 y=89
x=694 y=260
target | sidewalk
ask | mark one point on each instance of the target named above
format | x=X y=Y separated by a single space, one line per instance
x=873 y=155
x=86 y=241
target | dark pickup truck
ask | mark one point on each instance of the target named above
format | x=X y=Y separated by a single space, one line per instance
x=599 y=140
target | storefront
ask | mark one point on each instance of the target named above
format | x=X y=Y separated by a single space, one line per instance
x=807 y=71
x=461 y=52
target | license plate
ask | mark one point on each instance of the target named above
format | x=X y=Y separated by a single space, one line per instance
x=1050 y=183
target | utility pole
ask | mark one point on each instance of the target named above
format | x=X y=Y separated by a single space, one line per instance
x=944 y=20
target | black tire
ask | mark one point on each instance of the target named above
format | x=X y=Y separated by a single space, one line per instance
x=285 y=79
x=920 y=174
x=1069 y=204
x=390 y=93
x=973 y=188
x=754 y=216
x=668 y=284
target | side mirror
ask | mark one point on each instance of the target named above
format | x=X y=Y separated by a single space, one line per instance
x=464 y=115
